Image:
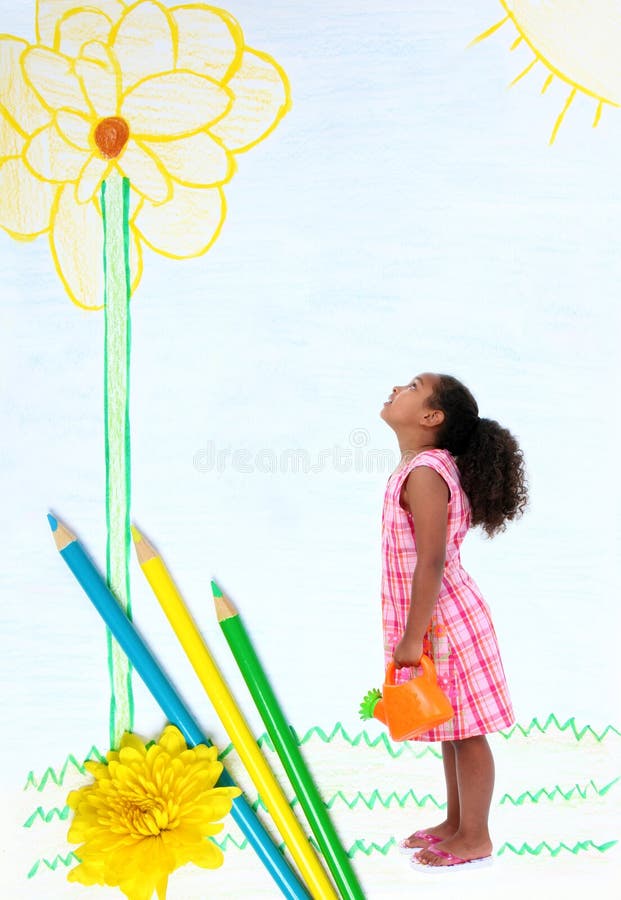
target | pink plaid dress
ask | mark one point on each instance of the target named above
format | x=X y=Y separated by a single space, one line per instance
x=460 y=639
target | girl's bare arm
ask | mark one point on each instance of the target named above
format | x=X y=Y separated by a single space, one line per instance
x=428 y=495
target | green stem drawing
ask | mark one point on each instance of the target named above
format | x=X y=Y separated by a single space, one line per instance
x=115 y=210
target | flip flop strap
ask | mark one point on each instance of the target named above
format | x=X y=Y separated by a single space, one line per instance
x=446 y=854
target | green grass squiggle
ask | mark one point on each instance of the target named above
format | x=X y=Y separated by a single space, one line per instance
x=47 y=817
x=554 y=851
x=569 y=724
x=368 y=849
x=53 y=864
x=339 y=731
x=58 y=776
x=375 y=799
x=550 y=795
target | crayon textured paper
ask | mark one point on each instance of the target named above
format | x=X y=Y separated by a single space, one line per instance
x=392 y=209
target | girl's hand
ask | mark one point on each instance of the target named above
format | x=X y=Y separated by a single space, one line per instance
x=407 y=653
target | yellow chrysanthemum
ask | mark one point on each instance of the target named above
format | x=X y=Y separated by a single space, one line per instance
x=148 y=812
x=166 y=95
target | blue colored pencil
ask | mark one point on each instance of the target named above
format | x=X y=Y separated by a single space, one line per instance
x=171 y=703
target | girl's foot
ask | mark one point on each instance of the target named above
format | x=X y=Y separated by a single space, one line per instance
x=458 y=846
x=442 y=831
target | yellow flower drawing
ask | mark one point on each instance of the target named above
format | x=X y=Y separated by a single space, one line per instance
x=577 y=43
x=166 y=96
x=148 y=812
x=119 y=127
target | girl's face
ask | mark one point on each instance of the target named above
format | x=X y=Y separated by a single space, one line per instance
x=406 y=404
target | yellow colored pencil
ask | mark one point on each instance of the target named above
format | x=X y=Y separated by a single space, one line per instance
x=236 y=727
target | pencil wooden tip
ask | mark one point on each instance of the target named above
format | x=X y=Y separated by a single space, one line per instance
x=61 y=534
x=144 y=550
x=225 y=609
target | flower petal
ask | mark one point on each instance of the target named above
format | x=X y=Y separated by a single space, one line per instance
x=51 y=12
x=11 y=141
x=186 y=226
x=172 y=741
x=143 y=42
x=77 y=26
x=50 y=157
x=100 y=77
x=90 y=178
x=210 y=41
x=146 y=174
x=18 y=99
x=88 y=873
x=174 y=103
x=25 y=200
x=207 y=855
x=262 y=97
x=76 y=241
x=51 y=76
x=129 y=739
x=197 y=160
x=75 y=129
x=135 y=202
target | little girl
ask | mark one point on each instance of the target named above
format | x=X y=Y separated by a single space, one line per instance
x=456 y=471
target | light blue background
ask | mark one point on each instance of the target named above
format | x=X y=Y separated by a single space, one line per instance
x=407 y=215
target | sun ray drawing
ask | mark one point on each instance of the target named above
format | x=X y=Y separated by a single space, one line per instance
x=576 y=43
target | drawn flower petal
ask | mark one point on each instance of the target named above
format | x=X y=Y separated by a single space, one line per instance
x=74 y=128
x=143 y=42
x=11 y=141
x=19 y=100
x=135 y=202
x=262 y=97
x=197 y=160
x=51 y=77
x=77 y=26
x=50 y=157
x=145 y=173
x=210 y=41
x=91 y=176
x=174 y=103
x=52 y=12
x=100 y=77
x=25 y=200
x=186 y=226
x=76 y=241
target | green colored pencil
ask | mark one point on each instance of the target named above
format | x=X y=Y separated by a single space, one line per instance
x=286 y=746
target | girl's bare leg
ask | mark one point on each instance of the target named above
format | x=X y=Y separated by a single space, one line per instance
x=475 y=779
x=450 y=825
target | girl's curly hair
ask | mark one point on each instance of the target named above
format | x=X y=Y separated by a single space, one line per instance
x=490 y=462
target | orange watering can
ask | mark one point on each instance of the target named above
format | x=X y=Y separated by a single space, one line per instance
x=411 y=708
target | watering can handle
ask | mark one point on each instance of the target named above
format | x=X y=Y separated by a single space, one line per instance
x=429 y=670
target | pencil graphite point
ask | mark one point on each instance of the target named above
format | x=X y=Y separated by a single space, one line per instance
x=53 y=521
x=135 y=533
x=216 y=590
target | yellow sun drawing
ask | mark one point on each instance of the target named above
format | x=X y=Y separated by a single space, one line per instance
x=577 y=42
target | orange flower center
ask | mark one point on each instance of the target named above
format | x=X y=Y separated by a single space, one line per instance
x=111 y=135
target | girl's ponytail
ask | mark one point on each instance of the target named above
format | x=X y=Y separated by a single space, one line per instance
x=490 y=461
